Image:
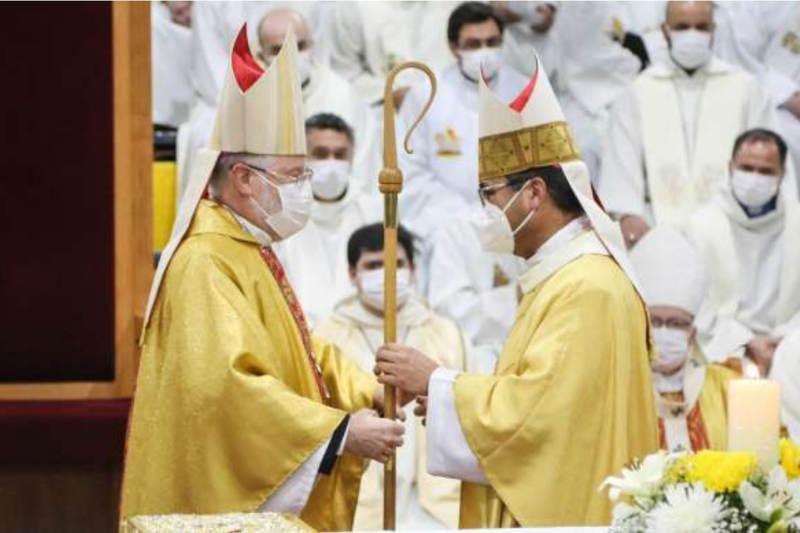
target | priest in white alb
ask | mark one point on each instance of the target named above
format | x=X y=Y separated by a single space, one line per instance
x=571 y=400
x=748 y=237
x=356 y=326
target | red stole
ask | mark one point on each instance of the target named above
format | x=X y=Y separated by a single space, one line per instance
x=279 y=274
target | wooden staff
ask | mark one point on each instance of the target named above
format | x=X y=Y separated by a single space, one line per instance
x=391 y=183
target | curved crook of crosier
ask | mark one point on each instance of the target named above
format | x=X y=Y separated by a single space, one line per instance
x=389 y=138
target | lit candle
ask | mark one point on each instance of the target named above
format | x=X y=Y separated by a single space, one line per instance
x=754 y=407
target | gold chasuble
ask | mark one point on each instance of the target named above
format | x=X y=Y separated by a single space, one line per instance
x=572 y=399
x=227 y=406
x=230 y=401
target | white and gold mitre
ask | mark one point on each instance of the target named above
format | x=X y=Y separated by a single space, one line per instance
x=530 y=132
x=261 y=111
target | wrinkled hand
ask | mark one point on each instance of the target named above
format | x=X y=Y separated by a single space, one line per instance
x=633 y=229
x=373 y=437
x=405 y=368
x=761 y=350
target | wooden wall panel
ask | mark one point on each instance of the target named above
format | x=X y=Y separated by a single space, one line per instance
x=82 y=345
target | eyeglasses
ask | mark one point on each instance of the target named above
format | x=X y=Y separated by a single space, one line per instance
x=671 y=323
x=485 y=193
x=284 y=179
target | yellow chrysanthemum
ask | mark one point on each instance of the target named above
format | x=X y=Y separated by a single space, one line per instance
x=790 y=458
x=718 y=471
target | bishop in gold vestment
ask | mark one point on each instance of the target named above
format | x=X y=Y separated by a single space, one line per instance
x=571 y=400
x=238 y=408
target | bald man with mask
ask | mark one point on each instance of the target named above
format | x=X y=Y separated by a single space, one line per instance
x=670 y=134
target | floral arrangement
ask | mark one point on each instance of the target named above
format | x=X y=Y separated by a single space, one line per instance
x=708 y=492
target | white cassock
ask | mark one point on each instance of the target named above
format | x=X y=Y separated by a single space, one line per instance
x=478 y=290
x=670 y=138
x=441 y=176
x=764 y=39
x=755 y=289
x=171 y=52
x=592 y=72
x=326 y=91
x=214 y=26
x=369 y=38
x=315 y=259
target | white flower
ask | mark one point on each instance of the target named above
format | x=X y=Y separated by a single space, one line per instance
x=641 y=483
x=780 y=502
x=687 y=509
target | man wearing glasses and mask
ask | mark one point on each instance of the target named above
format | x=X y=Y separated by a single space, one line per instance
x=571 y=400
x=238 y=408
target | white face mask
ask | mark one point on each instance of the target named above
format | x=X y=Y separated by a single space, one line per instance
x=691 y=49
x=330 y=179
x=371 y=284
x=489 y=58
x=753 y=189
x=672 y=349
x=494 y=230
x=296 y=201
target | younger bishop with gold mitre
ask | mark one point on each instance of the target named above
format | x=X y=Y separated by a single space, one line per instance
x=571 y=400
x=237 y=407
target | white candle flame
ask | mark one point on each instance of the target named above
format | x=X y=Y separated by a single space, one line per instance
x=751 y=371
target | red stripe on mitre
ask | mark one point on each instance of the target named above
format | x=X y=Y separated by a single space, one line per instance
x=245 y=68
x=522 y=99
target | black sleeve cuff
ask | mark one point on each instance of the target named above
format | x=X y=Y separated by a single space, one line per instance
x=329 y=459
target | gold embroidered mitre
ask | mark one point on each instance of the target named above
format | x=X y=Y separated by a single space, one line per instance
x=530 y=132
x=261 y=111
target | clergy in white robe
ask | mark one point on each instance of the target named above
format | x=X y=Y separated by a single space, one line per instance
x=441 y=173
x=748 y=238
x=325 y=91
x=479 y=290
x=670 y=134
x=356 y=327
x=369 y=38
x=691 y=395
x=591 y=72
x=764 y=39
x=316 y=258
x=171 y=43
